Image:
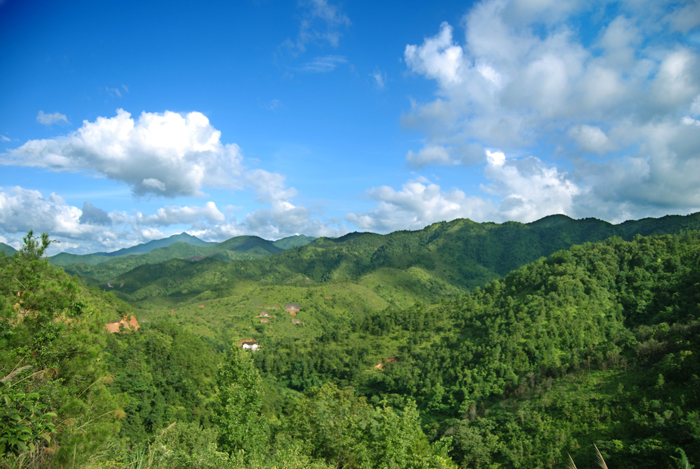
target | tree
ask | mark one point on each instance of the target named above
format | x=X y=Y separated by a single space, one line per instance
x=238 y=412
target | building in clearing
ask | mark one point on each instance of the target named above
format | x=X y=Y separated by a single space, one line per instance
x=381 y=365
x=264 y=320
x=129 y=322
x=292 y=308
x=250 y=344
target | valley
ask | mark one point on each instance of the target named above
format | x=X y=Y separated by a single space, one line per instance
x=459 y=345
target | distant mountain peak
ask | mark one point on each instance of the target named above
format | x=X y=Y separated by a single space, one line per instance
x=160 y=243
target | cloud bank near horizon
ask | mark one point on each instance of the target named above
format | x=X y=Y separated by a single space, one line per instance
x=604 y=126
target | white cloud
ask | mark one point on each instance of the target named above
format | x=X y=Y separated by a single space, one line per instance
x=495 y=158
x=591 y=139
x=162 y=154
x=528 y=189
x=445 y=155
x=416 y=205
x=4 y=139
x=694 y=107
x=22 y=210
x=662 y=174
x=323 y=64
x=686 y=18
x=437 y=58
x=50 y=119
x=93 y=229
x=431 y=154
x=196 y=216
x=526 y=78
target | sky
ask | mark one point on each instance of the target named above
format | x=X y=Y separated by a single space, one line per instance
x=126 y=121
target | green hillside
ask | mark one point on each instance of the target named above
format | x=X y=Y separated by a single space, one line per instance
x=594 y=346
x=442 y=259
x=293 y=241
x=64 y=259
x=240 y=247
x=255 y=247
x=8 y=250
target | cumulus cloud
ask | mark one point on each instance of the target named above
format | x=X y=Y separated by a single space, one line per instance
x=164 y=154
x=523 y=79
x=283 y=218
x=22 y=210
x=93 y=215
x=445 y=155
x=50 y=119
x=591 y=138
x=209 y=214
x=417 y=204
x=92 y=229
x=526 y=189
x=158 y=154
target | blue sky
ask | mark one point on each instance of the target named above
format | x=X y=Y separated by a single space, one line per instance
x=127 y=121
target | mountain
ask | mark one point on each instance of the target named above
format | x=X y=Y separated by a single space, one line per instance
x=293 y=241
x=8 y=250
x=253 y=246
x=159 y=243
x=238 y=248
x=405 y=266
x=595 y=345
x=64 y=258
x=590 y=353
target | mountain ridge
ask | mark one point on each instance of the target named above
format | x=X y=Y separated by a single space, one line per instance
x=441 y=259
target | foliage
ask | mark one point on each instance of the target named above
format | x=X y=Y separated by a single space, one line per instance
x=443 y=259
x=594 y=347
x=23 y=422
x=238 y=411
x=50 y=330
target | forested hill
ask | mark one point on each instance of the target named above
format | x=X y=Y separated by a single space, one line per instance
x=100 y=267
x=595 y=345
x=598 y=344
x=441 y=259
x=8 y=250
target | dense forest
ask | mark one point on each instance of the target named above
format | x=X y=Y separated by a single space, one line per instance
x=593 y=348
